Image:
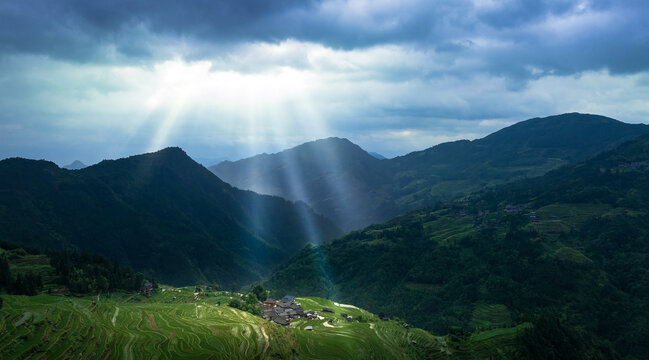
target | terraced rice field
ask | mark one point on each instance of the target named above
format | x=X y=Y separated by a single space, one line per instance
x=126 y=326
x=133 y=327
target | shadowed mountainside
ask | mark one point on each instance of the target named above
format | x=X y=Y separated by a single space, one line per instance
x=160 y=213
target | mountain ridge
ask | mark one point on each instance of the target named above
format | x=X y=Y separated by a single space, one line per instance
x=297 y=176
x=421 y=178
x=75 y=165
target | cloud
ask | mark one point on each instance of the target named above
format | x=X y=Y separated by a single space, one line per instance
x=233 y=78
x=403 y=100
x=519 y=39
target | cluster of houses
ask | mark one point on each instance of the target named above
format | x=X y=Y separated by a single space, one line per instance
x=522 y=209
x=486 y=219
x=281 y=312
x=146 y=289
x=628 y=166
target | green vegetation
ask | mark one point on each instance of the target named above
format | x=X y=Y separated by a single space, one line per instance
x=201 y=321
x=573 y=243
x=159 y=213
x=27 y=272
x=180 y=323
x=89 y=273
x=549 y=339
x=354 y=189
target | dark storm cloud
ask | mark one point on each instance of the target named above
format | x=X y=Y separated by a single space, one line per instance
x=518 y=13
x=108 y=31
x=89 y=30
x=595 y=35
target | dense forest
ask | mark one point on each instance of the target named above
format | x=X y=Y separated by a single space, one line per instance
x=62 y=270
x=573 y=243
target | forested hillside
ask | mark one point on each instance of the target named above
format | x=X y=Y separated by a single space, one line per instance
x=573 y=243
x=160 y=213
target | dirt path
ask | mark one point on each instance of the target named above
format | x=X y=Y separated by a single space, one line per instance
x=115 y=316
x=266 y=342
x=346 y=306
x=152 y=323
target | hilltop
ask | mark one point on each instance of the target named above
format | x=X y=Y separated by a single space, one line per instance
x=334 y=176
x=354 y=189
x=571 y=243
x=160 y=213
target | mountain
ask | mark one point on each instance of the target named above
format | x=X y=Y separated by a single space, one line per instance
x=377 y=155
x=574 y=243
x=160 y=213
x=343 y=182
x=75 y=165
x=334 y=176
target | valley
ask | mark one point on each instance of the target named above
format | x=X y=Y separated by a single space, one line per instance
x=529 y=268
x=328 y=179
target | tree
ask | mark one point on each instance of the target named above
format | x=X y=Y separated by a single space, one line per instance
x=260 y=292
x=5 y=273
x=235 y=303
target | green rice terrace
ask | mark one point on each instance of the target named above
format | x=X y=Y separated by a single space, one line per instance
x=180 y=323
x=199 y=322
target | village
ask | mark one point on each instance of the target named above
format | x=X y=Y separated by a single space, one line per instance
x=485 y=218
x=283 y=311
x=279 y=312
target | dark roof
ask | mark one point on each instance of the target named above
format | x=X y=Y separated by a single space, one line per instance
x=281 y=321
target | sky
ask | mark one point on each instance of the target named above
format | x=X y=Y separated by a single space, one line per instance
x=93 y=80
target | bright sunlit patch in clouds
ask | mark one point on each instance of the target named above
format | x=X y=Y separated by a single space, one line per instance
x=176 y=92
x=266 y=97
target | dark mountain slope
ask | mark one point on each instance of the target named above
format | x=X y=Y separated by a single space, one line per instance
x=334 y=176
x=526 y=149
x=343 y=182
x=574 y=242
x=160 y=213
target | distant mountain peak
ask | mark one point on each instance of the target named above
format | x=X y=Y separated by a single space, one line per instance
x=377 y=155
x=171 y=150
x=75 y=165
x=330 y=142
x=571 y=130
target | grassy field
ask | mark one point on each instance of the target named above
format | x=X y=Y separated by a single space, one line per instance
x=199 y=325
